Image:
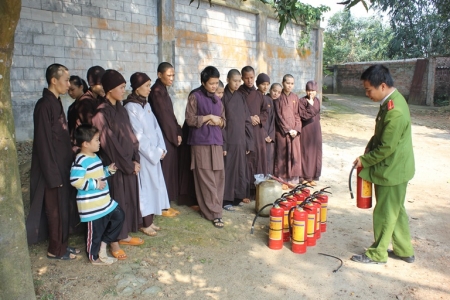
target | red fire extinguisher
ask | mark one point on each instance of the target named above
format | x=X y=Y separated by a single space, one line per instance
x=276 y=228
x=323 y=199
x=300 y=197
x=286 y=206
x=299 y=233
x=363 y=190
x=318 y=207
x=311 y=224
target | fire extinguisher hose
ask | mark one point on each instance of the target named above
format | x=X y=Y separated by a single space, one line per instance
x=342 y=263
x=257 y=215
x=350 y=181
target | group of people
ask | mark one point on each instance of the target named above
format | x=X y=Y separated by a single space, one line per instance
x=115 y=163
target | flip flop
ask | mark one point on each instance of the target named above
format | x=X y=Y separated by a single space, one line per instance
x=156 y=228
x=218 y=223
x=246 y=200
x=134 y=241
x=174 y=211
x=119 y=254
x=66 y=256
x=74 y=250
x=229 y=207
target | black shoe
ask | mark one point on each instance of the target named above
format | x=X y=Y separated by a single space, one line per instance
x=408 y=259
x=365 y=259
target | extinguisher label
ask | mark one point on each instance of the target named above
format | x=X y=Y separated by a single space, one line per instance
x=323 y=213
x=311 y=225
x=298 y=232
x=276 y=228
x=366 y=189
x=318 y=219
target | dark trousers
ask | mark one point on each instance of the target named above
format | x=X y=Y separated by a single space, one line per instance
x=147 y=220
x=105 y=229
x=58 y=228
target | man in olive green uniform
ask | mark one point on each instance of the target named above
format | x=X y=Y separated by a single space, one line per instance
x=388 y=162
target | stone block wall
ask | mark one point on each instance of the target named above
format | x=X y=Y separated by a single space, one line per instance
x=137 y=35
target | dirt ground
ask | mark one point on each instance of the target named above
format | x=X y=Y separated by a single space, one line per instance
x=192 y=259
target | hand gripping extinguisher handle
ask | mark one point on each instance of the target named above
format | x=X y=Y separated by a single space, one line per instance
x=350 y=181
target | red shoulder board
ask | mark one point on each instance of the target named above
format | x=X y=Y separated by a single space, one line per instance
x=390 y=104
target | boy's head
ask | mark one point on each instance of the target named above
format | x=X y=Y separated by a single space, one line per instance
x=210 y=78
x=248 y=76
x=94 y=78
x=57 y=77
x=114 y=85
x=87 y=137
x=263 y=82
x=233 y=80
x=166 y=73
x=275 y=91
x=288 y=83
x=311 y=89
x=220 y=90
x=377 y=81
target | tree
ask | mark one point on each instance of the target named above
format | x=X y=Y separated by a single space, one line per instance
x=350 y=39
x=16 y=281
x=421 y=28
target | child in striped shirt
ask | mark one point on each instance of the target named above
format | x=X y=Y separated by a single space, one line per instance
x=103 y=215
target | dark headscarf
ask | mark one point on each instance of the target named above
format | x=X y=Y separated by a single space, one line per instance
x=138 y=79
x=262 y=77
x=94 y=75
x=311 y=86
x=111 y=79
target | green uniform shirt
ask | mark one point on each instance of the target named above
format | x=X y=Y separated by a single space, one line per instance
x=390 y=160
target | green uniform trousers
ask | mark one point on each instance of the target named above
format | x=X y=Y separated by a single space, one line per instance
x=390 y=221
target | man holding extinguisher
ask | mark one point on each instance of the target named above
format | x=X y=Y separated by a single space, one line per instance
x=388 y=162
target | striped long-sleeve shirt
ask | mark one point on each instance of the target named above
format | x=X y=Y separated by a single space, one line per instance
x=92 y=202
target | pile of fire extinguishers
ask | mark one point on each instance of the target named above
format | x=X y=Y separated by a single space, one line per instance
x=297 y=216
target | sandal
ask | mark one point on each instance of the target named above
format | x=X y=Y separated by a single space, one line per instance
x=156 y=228
x=66 y=256
x=176 y=212
x=312 y=183
x=104 y=258
x=246 y=200
x=229 y=207
x=99 y=262
x=148 y=231
x=134 y=241
x=73 y=250
x=119 y=254
x=218 y=223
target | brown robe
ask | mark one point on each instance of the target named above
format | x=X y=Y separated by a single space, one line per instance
x=287 y=149
x=81 y=111
x=257 y=160
x=311 y=139
x=207 y=165
x=50 y=168
x=119 y=145
x=162 y=107
x=237 y=139
x=270 y=132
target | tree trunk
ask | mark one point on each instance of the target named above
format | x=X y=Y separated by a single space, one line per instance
x=16 y=281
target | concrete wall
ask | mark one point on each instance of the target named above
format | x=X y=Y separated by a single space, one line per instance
x=137 y=35
x=435 y=81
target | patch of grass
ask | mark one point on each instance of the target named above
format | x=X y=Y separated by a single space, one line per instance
x=47 y=296
x=110 y=290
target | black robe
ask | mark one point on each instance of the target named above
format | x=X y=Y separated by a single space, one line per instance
x=50 y=168
x=119 y=145
x=257 y=160
x=311 y=140
x=162 y=107
x=237 y=139
x=270 y=132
